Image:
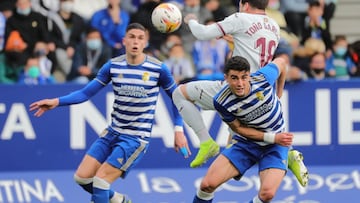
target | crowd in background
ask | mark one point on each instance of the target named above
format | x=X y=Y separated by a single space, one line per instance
x=63 y=41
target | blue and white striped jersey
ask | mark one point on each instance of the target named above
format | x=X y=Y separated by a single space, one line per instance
x=261 y=109
x=136 y=89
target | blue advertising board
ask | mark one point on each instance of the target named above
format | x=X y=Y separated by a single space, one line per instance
x=39 y=155
x=327 y=185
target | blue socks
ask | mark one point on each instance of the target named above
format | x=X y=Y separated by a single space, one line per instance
x=100 y=190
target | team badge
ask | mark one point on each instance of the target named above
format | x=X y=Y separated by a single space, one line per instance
x=146 y=77
x=260 y=96
x=120 y=76
x=120 y=160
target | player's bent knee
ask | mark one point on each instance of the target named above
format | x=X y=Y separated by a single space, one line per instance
x=82 y=181
x=266 y=195
x=208 y=186
x=178 y=95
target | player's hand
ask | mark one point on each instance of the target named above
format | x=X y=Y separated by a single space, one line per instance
x=181 y=144
x=43 y=105
x=284 y=139
x=189 y=17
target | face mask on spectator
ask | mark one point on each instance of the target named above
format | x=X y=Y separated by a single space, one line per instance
x=67 y=6
x=318 y=71
x=23 y=12
x=33 y=72
x=93 y=44
x=40 y=52
x=340 y=51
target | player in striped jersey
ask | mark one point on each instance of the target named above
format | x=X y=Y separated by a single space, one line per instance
x=250 y=100
x=136 y=79
x=256 y=37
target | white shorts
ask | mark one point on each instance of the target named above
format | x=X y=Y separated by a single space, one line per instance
x=201 y=92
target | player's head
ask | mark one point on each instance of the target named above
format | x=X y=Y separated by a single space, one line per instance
x=135 y=39
x=237 y=75
x=245 y=5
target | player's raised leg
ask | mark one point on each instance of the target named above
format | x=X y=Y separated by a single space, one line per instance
x=184 y=98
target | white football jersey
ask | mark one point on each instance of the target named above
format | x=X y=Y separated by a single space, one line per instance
x=256 y=37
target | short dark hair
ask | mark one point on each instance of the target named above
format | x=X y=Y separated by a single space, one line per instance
x=237 y=63
x=314 y=3
x=259 y=4
x=135 y=26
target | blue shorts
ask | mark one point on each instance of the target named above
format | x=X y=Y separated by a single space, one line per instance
x=120 y=151
x=243 y=154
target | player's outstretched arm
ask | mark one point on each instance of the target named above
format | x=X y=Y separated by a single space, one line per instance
x=284 y=139
x=44 y=105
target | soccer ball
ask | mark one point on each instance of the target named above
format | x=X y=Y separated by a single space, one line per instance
x=166 y=17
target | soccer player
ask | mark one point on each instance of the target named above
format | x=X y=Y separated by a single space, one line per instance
x=136 y=79
x=251 y=100
x=256 y=37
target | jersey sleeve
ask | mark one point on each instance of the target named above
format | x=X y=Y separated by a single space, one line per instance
x=84 y=94
x=103 y=76
x=167 y=82
x=225 y=115
x=270 y=72
x=231 y=24
x=205 y=32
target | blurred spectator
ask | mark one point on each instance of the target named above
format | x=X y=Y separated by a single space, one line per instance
x=31 y=28
x=180 y=64
x=339 y=64
x=89 y=56
x=112 y=22
x=171 y=40
x=6 y=10
x=45 y=6
x=44 y=63
x=315 y=25
x=86 y=9
x=329 y=7
x=317 y=67
x=129 y=6
x=192 y=7
x=67 y=30
x=286 y=34
x=354 y=50
x=218 y=11
x=295 y=12
x=37 y=70
x=143 y=16
x=302 y=55
x=210 y=55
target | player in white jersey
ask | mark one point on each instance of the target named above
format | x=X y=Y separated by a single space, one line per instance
x=250 y=100
x=256 y=37
x=136 y=79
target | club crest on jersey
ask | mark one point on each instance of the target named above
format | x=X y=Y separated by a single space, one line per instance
x=120 y=76
x=260 y=96
x=146 y=76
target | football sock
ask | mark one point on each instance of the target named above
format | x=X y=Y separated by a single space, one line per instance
x=87 y=185
x=191 y=115
x=203 y=197
x=256 y=200
x=117 y=198
x=100 y=190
